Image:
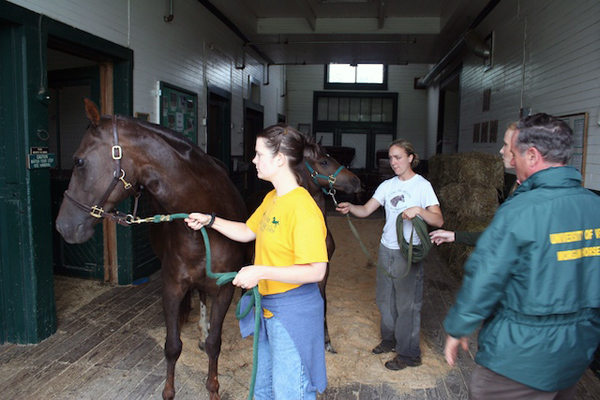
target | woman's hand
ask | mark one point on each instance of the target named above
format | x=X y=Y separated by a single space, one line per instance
x=432 y=215
x=248 y=277
x=197 y=220
x=442 y=236
x=343 y=207
x=411 y=212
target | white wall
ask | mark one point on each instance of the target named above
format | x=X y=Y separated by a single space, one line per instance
x=546 y=58
x=304 y=80
x=192 y=51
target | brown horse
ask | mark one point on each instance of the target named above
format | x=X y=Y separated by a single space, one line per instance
x=117 y=155
x=322 y=176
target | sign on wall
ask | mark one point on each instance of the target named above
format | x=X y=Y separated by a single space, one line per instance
x=39 y=157
x=179 y=110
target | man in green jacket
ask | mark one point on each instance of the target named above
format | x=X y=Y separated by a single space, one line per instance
x=533 y=277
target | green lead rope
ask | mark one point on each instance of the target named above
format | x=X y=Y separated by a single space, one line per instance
x=223 y=278
x=413 y=253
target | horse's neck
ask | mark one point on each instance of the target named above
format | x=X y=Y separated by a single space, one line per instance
x=315 y=190
x=174 y=174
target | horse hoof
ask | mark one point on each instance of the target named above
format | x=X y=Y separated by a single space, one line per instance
x=168 y=394
x=330 y=348
x=201 y=345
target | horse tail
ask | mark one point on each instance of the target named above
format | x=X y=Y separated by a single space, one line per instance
x=185 y=307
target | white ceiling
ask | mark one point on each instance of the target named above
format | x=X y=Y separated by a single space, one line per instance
x=350 y=31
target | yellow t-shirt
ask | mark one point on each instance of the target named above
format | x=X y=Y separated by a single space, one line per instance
x=289 y=230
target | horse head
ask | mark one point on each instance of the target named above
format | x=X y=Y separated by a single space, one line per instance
x=328 y=174
x=98 y=182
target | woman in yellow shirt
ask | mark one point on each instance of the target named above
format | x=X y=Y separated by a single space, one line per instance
x=290 y=258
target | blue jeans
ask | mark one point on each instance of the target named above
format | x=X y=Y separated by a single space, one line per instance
x=400 y=301
x=280 y=374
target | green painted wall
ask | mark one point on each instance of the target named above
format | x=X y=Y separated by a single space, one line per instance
x=26 y=270
x=27 y=310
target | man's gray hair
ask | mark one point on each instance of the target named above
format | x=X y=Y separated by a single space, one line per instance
x=551 y=136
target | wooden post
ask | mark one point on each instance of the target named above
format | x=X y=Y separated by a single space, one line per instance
x=111 y=265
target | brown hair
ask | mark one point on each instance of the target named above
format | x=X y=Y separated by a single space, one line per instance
x=409 y=148
x=282 y=138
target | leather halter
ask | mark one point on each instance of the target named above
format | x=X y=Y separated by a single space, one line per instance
x=97 y=210
x=329 y=178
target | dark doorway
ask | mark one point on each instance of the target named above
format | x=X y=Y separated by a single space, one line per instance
x=449 y=114
x=71 y=79
x=218 y=125
x=253 y=123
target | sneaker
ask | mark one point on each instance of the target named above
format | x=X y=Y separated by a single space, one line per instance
x=384 y=347
x=398 y=363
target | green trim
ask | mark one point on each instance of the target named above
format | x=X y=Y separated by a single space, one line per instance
x=26 y=265
x=27 y=312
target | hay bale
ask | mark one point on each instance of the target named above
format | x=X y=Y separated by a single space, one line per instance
x=443 y=169
x=481 y=169
x=482 y=202
x=467 y=185
x=451 y=221
x=469 y=201
x=472 y=168
x=457 y=254
x=475 y=224
x=452 y=197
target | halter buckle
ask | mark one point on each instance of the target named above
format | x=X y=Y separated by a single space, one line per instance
x=96 y=211
x=117 y=152
x=126 y=184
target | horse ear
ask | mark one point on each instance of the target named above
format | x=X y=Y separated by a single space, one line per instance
x=320 y=141
x=91 y=110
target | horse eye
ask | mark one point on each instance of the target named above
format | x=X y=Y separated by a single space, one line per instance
x=324 y=163
x=78 y=162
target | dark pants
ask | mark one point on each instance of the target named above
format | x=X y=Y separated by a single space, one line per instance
x=400 y=301
x=485 y=384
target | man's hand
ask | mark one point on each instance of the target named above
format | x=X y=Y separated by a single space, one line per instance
x=451 y=349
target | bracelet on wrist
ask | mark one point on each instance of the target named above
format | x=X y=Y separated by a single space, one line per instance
x=212 y=220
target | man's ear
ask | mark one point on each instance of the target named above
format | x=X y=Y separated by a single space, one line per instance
x=533 y=156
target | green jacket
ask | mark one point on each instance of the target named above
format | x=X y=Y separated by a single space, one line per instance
x=534 y=281
x=466 y=238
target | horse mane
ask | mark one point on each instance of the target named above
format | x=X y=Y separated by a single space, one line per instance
x=176 y=140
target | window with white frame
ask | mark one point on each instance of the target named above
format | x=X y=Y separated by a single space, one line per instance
x=356 y=76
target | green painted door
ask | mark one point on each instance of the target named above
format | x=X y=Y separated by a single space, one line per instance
x=26 y=292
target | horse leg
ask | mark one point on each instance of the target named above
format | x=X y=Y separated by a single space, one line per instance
x=322 y=285
x=203 y=325
x=218 y=310
x=173 y=345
